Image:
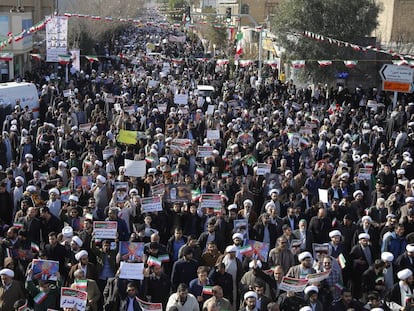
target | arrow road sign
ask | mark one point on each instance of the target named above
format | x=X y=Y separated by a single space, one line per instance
x=396 y=73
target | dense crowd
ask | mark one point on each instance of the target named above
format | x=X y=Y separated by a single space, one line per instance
x=321 y=177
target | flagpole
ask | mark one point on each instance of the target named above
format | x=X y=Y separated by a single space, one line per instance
x=259 y=74
x=67 y=74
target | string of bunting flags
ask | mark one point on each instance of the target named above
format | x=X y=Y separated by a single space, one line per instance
x=19 y=36
x=355 y=47
x=402 y=61
x=348 y=63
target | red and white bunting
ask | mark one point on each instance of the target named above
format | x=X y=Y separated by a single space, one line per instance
x=324 y=63
x=350 y=63
x=298 y=63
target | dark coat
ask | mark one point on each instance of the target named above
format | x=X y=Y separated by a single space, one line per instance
x=259 y=230
x=183 y=272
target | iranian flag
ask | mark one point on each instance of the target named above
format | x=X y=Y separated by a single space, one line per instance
x=152 y=261
x=208 y=290
x=239 y=48
x=81 y=284
x=174 y=172
x=92 y=58
x=39 y=298
x=324 y=63
x=298 y=63
x=246 y=249
x=164 y=258
x=36 y=57
x=199 y=171
x=339 y=286
x=35 y=248
x=195 y=195
x=149 y=159
x=350 y=63
x=64 y=59
x=342 y=261
x=225 y=175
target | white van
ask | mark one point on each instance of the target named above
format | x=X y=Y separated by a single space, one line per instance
x=18 y=92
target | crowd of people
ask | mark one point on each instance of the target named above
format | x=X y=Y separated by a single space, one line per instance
x=322 y=179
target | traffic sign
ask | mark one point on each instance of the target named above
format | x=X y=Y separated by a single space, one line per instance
x=396 y=73
x=394 y=86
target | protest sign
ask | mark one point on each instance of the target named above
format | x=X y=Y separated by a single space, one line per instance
x=260 y=249
x=127 y=137
x=107 y=153
x=131 y=251
x=153 y=83
x=158 y=189
x=135 y=168
x=121 y=191
x=68 y=93
x=129 y=110
x=180 y=144
x=181 y=99
x=45 y=269
x=105 y=229
x=84 y=182
x=73 y=298
x=210 y=200
x=85 y=127
x=293 y=285
x=151 y=204
x=149 y=306
x=213 y=134
x=205 y=151
x=365 y=173
x=133 y=271
x=263 y=168
x=323 y=195
x=318 y=277
x=241 y=226
x=178 y=193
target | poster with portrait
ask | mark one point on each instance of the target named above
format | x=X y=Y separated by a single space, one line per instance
x=45 y=269
x=83 y=182
x=177 y=193
x=241 y=226
x=260 y=249
x=121 y=191
x=131 y=251
x=273 y=181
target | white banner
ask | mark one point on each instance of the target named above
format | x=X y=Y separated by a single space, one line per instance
x=133 y=271
x=56 y=38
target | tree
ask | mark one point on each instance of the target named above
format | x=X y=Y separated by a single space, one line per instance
x=83 y=30
x=347 y=20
